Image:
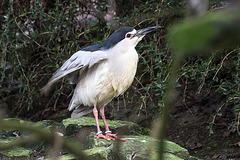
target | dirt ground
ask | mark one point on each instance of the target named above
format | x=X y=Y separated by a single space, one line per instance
x=190 y=122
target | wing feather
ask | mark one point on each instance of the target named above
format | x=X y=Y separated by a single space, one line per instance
x=78 y=61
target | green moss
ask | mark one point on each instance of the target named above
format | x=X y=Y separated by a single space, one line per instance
x=173 y=147
x=170 y=156
x=87 y=121
x=72 y=126
x=64 y=157
x=95 y=143
x=145 y=146
x=102 y=153
x=135 y=129
x=15 y=152
x=15 y=120
x=138 y=146
x=47 y=124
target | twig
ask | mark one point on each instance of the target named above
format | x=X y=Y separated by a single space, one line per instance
x=215 y=115
x=148 y=19
x=238 y=118
x=223 y=61
x=24 y=33
x=204 y=78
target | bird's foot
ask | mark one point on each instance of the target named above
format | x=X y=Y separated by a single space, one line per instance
x=100 y=135
x=109 y=134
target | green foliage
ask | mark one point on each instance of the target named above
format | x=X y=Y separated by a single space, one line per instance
x=34 y=42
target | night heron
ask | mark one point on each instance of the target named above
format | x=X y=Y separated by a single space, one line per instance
x=101 y=72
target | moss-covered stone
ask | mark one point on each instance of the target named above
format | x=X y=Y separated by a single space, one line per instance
x=136 y=148
x=172 y=147
x=87 y=121
x=94 y=143
x=145 y=146
x=64 y=157
x=47 y=124
x=169 y=156
x=9 y=135
x=4 y=134
x=101 y=153
x=16 y=152
x=73 y=126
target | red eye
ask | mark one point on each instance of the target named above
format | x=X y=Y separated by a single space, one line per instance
x=128 y=35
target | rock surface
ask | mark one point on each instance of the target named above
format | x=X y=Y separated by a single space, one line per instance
x=139 y=146
x=135 y=148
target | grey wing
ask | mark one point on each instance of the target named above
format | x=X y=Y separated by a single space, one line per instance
x=78 y=61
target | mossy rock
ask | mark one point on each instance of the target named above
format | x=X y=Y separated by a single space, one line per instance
x=146 y=147
x=64 y=157
x=101 y=153
x=46 y=124
x=136 y=148
x=17 y=152
x=86 y=125
x=95 y=143
x=9 y=135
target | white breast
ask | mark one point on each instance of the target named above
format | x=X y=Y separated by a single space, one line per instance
x=124 y=68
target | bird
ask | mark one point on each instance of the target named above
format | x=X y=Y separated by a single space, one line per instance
x=101 y=72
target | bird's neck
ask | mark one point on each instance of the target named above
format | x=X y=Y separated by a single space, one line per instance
x=122 y=61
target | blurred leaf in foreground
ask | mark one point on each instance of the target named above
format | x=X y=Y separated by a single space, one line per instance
x=215 y=30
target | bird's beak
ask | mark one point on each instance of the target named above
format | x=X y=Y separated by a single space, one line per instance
x=144 y=31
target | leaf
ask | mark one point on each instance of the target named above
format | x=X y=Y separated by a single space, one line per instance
x=196 y=145
x=227 y=133
x=215 y=30
x=215 y=156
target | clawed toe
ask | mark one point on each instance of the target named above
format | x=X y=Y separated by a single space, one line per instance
x=115 y=137
x=104 y=137
x=109 y=137
x=112 y=135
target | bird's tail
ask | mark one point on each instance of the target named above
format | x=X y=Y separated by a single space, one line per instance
x=81 y=111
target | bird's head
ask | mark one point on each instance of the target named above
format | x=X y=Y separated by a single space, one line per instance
x=127 y=37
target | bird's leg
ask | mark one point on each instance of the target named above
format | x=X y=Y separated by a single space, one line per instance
x=99 y=132
x=108 y=132
x=104 y=119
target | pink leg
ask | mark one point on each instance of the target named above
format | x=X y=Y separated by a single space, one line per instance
x=108 y=132
x=99 y=132
x=104 y=119
x=95 y=113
